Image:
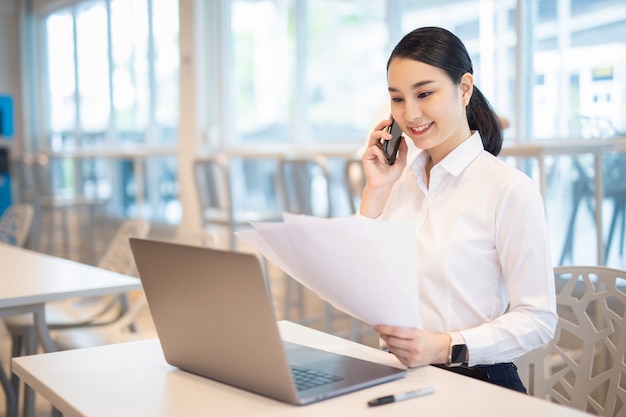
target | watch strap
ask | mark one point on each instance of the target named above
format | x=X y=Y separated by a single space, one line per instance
x=458 y=354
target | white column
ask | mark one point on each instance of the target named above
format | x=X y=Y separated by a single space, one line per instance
x=188 y=134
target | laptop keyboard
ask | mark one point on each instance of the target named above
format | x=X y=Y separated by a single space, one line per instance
x=308 y=378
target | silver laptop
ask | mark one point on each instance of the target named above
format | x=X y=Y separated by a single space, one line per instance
x=214 y=317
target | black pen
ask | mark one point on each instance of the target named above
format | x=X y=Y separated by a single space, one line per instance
x=401 y=397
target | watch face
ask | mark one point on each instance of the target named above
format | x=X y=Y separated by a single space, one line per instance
x=459 y=354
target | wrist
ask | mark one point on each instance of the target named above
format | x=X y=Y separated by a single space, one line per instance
x=458 y=353
x=373 y=201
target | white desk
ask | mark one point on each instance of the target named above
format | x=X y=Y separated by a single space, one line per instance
x=133 y=379
x=29 y=280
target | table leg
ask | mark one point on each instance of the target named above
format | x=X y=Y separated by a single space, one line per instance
x=42 y=330
x=599 y=196
x=11 y=397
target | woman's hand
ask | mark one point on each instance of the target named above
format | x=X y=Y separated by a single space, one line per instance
x=379 y=175
x=414 y=347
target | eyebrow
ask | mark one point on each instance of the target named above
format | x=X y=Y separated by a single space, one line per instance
x=414 y=86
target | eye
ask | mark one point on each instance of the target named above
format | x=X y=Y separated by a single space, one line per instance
x=424 y=94
x=397 y=99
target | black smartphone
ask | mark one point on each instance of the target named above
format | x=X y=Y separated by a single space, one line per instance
x=390 y=147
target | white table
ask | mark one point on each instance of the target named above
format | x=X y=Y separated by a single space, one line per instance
x=29 y=280
x=133 y=379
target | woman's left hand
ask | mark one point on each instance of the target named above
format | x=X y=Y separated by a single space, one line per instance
x=415 y=347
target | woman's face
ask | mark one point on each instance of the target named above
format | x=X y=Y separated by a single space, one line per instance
x=428 y=106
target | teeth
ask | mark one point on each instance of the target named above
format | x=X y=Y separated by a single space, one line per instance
x=421 y=128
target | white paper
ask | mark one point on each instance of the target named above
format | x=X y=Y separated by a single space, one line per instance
x=363 y=267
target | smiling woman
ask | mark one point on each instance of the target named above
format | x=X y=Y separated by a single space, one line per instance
x=485 y=275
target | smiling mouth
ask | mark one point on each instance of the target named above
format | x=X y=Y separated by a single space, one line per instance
x=421 y=129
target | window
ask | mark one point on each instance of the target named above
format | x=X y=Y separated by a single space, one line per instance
x=297 y=73
x=307 y=71
x=581 y=54
x=488 y=31
x=113 y=82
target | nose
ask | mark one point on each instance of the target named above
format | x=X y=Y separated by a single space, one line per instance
x=412 y=110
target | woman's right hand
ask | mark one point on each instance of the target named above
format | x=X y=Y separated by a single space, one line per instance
x=379 y=175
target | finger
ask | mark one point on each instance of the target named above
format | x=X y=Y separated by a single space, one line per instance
x=382 y=124
x=396 y=331
x=379 y=133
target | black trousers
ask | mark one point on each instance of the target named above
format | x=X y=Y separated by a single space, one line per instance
x=502 y=374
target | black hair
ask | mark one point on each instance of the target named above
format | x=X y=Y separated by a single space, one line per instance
x=442 y=49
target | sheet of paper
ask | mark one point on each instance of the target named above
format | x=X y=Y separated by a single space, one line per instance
x=363 y=267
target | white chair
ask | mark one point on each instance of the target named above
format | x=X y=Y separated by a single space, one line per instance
x=136 y=323
x=84 y=312
x=583 y=367
x=15 y=224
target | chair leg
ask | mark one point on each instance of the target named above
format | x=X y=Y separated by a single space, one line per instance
x=622 y=210
x=568 y=245
x=619 y=215
x=614 y=219
x=16 y=350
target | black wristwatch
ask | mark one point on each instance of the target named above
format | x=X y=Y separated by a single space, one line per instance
x=458 y=350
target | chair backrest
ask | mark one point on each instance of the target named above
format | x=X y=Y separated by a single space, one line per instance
x=15 y=224
x=212 y=181
x=306 y=186
x=583 y=366
x=118 y=257
x=355 y=182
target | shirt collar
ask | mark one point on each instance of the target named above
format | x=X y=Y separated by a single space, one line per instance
x=457 y=160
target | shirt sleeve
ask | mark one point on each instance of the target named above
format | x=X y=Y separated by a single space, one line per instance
x=522 y=244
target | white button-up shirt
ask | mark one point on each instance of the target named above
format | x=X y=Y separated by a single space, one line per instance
x=484 y=263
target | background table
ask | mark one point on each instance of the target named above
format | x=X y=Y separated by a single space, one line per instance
x=133 y=379
x=29 y=280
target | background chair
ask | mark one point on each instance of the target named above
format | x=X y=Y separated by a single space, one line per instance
x=225 y=203
x=84 y=312
x=355 y=182
x=15 y=224
x=583 y=367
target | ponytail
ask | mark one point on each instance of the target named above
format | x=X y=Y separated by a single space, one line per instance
x=481 y=117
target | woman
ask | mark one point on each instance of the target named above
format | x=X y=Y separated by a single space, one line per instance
x=486 y=278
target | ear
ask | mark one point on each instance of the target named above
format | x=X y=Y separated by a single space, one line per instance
x=467 y=88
